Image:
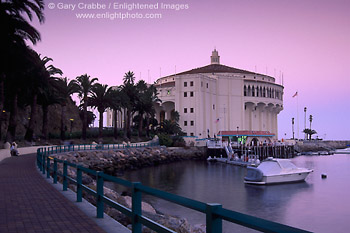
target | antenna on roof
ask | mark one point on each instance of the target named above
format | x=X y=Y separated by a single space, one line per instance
x=160 y=72
x=280 y=77
x=175 y=69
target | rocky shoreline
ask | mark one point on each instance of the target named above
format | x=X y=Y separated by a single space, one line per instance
x=315 y=146
x=114 y=162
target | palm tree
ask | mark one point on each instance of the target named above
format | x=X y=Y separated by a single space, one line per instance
x=150 y=110
x=100 y=99
x=47 y=98
x=13 y=35
x=130 y=92
x=37 y=85
x=140 y=104
x=116 y=106
x=310 y=119
x=16 y=83
x=85 y=84
x=65 y=90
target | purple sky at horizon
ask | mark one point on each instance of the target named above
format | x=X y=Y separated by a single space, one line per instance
x=306 y=40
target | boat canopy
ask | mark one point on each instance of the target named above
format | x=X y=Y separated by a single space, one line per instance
x=270 y=167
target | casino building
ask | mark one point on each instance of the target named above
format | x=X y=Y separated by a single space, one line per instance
x=222 y=101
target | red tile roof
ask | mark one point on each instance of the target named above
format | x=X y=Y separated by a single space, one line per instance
x=217 y=68
x=246 y=133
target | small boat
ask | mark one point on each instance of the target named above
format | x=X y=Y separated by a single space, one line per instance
x=272 y=171
x=342 y=151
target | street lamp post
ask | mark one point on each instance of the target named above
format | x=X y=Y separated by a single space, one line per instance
x=293 y=126
x=237 y=137
x=71 y=125
x=305 y=122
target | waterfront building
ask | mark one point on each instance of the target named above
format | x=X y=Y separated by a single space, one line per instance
x=217 y=98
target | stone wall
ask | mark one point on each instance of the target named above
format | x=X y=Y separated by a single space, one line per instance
x=313 y=146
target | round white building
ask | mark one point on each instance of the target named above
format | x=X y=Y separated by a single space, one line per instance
x=221 y=100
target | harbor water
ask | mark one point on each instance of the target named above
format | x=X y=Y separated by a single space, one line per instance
x=318 y=205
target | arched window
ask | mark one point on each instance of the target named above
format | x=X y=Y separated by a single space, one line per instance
x=253 y=91
x=249 y=93
x=264 y=92
x=257 y=91
x=245 y=90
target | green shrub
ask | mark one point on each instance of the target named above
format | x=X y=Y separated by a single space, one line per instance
x=165 y=140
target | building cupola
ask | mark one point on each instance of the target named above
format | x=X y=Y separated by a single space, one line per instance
x=215 y=58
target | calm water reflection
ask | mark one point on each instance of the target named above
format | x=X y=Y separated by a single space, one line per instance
x=319 y=205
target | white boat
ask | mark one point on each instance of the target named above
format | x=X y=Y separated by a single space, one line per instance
x=272 y=171
x=342 y=151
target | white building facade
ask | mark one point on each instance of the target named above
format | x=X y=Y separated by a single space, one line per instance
x=216 y=98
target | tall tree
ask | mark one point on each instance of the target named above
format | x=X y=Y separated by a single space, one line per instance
x=85 y=84
x=310 y=119
x=144 y=104
x=116 y=106
x=65 y=90
x=100 y=99
x=47 y=98
x=37 y=84
x=14 y=31
x=129 y=90
x=15 y=84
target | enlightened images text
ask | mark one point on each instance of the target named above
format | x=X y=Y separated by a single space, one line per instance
x=119 y=6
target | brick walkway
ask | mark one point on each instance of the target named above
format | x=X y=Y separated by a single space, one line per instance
x=29 y=204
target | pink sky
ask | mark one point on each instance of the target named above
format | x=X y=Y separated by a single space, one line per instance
x=307 y=40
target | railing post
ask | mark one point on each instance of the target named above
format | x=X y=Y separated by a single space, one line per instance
x=79 y=182
x=213 y=222
x=99 y=190
x=48 y=167
x=65 y=172
x=55 y=171
x=136 y=208
x=43 y=162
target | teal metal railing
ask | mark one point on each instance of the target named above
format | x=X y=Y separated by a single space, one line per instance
x=214 y=212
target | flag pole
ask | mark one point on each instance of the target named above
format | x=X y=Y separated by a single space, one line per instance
x=298 y=113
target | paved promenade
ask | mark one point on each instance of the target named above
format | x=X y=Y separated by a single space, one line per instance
x=28 y=203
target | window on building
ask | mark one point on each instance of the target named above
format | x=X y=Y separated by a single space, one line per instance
x=253 y=91
x=191 y=83
x=185 y=84
x=185 y=94
x=213 y=106
x=191 y=93
x=192 y=110
x=185 y=110
x=245 y=90
x=192 y=134
x=185 y=123
x=192 y=123
x=207 y=85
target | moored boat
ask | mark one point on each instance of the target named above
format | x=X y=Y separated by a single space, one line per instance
x=272 y=171
x=342 y=151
